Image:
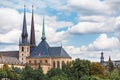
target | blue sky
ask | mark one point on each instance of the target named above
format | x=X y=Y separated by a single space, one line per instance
x=84 y=27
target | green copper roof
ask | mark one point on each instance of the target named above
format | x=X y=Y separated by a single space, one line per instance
x=43 y=31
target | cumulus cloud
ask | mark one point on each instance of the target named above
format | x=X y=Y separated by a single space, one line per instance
x=103 y=42
x=96 y=24
x=11 y=26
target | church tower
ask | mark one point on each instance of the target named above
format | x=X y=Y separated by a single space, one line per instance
x=102 y=58
x=32 y=33
x=24 y=47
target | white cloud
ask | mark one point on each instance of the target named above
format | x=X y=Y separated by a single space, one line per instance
x=93 y=6
x=11 y=26
x=96 y=24
x=103 y=42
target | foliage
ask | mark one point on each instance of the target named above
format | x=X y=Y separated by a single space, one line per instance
x=86 y=78
x=3 y=73
x=110 y=66
x=59 y=77
x=75 y=70
x=38 y=74
x=55 y=74
x=97 y=69
x=27 y=73
x=80 y=68
x=114 y=75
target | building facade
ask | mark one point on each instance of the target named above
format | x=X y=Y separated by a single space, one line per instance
x=48 y=57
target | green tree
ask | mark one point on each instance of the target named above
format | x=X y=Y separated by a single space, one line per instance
x=80 y=68
x=110 y=66
x=3 y=73
x=113 y=75
x=38 y=73
x=97 y=69
x=16 y=73
x=27 y=73
x=55 y=73
x=86 y=78
x=67 y=68
x=59 y=77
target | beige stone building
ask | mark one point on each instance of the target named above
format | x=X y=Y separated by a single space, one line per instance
x=49 y=57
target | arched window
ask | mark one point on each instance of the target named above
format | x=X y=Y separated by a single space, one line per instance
x=29 y=61
x=53 y=64
x=63 y=63
x=35 y=61
x=22 y=49
x=27 y=49
x=58 y=64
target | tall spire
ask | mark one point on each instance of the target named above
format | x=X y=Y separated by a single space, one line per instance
x=32 y=34
x=24 y=34
x=43 y=31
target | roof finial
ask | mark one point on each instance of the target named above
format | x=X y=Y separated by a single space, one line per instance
x=43 y=31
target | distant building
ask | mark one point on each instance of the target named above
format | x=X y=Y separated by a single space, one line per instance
x=116 y=63
x=29 y=53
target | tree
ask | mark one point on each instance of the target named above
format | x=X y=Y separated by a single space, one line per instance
x=67 y=68
x=38 y=73
x=16 y=73
x=86 y=78
x=97 y=69
x=59 y=77
x=27 y=73
x=80 y=68
x=110 y=66
x=3 y=73
x=55 y=73
x=113 y=75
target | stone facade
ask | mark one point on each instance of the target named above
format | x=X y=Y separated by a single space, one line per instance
x=47 y=63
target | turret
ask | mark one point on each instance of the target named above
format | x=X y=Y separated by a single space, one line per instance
x=102 y=58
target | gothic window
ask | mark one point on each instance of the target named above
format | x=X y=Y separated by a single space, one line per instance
x=29 y=61
x=22 y=58
x=58 y=64
x=40 y=61
x=27 y=49
x=22 y=49
x=63 y=63
x=35 y=61
x=22 y=54
x=53 y=64
x=46 y=61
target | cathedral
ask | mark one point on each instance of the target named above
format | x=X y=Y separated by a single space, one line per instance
x=30 y=53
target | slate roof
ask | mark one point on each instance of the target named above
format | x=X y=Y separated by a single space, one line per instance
x=9 y=57
x=10 y=53
x=9 y=60
x=44 y=50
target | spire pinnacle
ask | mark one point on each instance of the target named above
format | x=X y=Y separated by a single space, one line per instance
x=43 y=31
x=32 y=33
x=24 y=34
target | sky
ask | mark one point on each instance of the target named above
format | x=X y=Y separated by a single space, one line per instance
x=84 y=28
